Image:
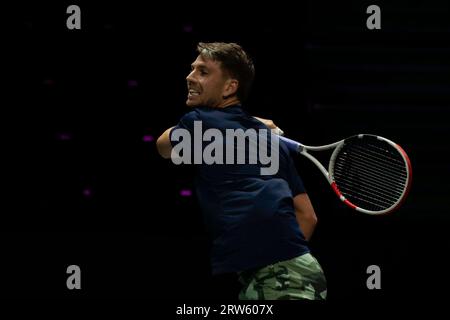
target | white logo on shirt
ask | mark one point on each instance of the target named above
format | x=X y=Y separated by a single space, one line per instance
x=213 y=153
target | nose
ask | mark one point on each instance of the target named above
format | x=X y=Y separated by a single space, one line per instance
x=190 y=77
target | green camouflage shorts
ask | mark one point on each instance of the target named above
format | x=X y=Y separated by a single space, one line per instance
x=298 y=278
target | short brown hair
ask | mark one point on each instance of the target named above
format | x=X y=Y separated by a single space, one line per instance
x=234 y=61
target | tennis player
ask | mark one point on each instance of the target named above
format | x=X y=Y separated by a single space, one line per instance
x=259 y=225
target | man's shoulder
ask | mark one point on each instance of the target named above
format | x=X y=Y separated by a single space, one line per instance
x=209 y=117
x=188 y=118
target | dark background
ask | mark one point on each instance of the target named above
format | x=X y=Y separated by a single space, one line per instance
x=82 y=186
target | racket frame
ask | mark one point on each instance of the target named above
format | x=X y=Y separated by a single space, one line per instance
x=303 y=150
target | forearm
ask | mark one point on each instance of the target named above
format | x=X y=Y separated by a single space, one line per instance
x=305 y=214
x=271 y=125
x=307 y=224
x=163 y=144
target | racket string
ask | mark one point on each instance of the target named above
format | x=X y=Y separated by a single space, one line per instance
x=389 y=192
x=383 y=154
x=379 y=175
x=348 y=186
x=385 y=163
x=372 y=206
x=370 y=174
x=374 y=164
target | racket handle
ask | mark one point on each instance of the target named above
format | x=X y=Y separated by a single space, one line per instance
x=292 y=145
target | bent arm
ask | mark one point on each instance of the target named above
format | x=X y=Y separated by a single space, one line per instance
x=163 y=144
x=305 y=214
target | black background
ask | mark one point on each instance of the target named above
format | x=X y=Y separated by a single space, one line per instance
x=321 y=75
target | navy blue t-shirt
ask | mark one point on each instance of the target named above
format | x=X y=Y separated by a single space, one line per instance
x=249 y=216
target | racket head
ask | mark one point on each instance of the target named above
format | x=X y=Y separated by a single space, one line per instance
x=370 y=174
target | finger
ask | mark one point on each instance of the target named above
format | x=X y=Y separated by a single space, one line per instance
x=278 y=131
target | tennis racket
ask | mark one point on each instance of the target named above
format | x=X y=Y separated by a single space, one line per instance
x=370 y=174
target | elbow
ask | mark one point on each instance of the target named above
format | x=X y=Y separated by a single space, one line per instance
x=162 y=149
x=159 y=146
x=308 y=217
x=164 y=145
x=313 y=219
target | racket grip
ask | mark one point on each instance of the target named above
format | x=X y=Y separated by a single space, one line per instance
x=292 y=145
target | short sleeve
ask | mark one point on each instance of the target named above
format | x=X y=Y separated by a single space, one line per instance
x=187 y=123
x=294 y=180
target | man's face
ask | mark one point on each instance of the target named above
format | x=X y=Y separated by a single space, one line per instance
x=206 y=83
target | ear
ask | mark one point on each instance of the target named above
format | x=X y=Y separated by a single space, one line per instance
x=230 y=88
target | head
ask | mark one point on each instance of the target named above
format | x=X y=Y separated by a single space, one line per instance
x=221 y=75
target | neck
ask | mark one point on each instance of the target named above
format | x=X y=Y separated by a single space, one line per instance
x=229 y=102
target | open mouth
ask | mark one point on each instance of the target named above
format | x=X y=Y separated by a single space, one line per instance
x=193 y=93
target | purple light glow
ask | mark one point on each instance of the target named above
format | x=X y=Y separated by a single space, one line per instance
x=187 y=28
x=148 y=138
x=48 y=82
x=186 y=193
x=132 y=83
x=87 y=192
x=64 y=136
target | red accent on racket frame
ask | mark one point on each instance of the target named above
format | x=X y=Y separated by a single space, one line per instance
x=339 y=194
x=351 y=205
x=409 y=182
x=336 y=190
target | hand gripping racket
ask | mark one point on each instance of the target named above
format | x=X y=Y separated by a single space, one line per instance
x=370 y=174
